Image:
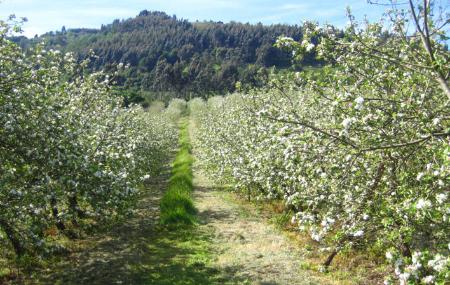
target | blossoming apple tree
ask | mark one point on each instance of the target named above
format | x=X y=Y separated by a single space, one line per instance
x=69 y=151
x=360 y=150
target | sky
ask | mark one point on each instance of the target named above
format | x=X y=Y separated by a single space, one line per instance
x=50 y=15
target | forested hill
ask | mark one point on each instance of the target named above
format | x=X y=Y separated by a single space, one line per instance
x=171 y=56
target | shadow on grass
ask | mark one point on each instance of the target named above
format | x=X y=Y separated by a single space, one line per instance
x=140 y=251
x=182 y=256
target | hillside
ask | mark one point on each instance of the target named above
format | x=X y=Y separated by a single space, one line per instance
x=171 y=57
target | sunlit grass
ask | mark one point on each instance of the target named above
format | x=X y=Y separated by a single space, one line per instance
x=176 y=205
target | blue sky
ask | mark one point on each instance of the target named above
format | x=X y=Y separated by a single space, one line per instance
x=46 y=15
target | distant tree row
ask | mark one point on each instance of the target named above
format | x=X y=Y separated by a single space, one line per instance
x=171 y=56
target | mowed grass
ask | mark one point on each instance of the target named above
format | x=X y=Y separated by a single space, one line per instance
x=177 y=206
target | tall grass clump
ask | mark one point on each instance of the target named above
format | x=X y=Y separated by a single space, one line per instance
x=176 y=205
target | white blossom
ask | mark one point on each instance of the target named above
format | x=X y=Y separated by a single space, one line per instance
x=423 y=204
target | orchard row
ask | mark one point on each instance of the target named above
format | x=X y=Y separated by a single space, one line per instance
x=70 y=154
x=360 y=150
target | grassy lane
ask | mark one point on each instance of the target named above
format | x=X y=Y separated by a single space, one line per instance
x=176 y=204
x=182 y=252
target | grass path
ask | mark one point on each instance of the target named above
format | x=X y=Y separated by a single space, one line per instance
x=247 y=247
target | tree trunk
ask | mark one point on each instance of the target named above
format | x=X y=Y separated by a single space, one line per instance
x=75 y=208
x=330 y=258
x=405 y=249
x=59 y=224
x=13 y=237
